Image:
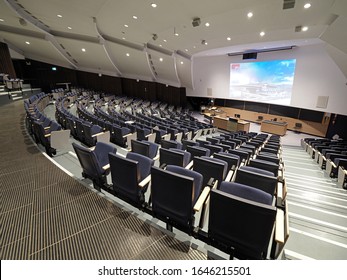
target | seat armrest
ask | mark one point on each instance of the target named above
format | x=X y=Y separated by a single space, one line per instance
x=201 y=200
x=145 y=181
x=229 y=176
x=156 y=157
x=47 y=135
x=279 y=227
x=189 y=165
x=98 y=134
x=126 y=135
x=105 y=167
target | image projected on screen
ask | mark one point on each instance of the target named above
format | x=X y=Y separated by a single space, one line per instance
x=263 y=81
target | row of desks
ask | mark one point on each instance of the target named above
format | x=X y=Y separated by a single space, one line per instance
x=233 y=124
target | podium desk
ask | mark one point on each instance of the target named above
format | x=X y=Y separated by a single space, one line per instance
x=230 y=124
x=273 y=127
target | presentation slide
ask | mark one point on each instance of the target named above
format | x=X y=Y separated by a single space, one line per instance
x=263 y=81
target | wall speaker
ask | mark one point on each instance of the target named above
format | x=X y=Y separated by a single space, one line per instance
x=252 y=55
x=322 y=102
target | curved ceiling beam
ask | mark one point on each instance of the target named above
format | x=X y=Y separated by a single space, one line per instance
x=150 y=65
x=41 y=26
x=175 y=67
x=102 y=42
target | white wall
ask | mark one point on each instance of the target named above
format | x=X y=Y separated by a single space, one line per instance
x=316 y=75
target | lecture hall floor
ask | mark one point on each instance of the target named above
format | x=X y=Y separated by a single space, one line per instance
x=49 y=215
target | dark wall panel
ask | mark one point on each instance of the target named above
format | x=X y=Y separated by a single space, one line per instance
x=6 y=65
x=237 y=104
x=40 y=74
x=256 y=107
x=284 y=111
x=219 y=102
x=310 y=115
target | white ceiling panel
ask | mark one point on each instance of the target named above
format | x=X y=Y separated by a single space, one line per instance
x=130 y=62
x=94 y=56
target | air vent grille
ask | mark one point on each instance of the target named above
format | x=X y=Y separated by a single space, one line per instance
x=288 y=4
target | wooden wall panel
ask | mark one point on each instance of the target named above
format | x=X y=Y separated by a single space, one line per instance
x=6 y=65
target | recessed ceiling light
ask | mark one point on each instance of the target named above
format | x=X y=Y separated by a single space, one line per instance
x=165 y=40
x=1 y=19
x=181 y=62
x=194 y=47
x=262 y=33
x=69 y=27
x=250 y=14
x=27 y=42
x=160 y=45
x=59 y=16
x=228 y=38
x=134 y=17
x=186 y=50
x=125 y=25
x=161 y=59
x=176 y=34
x=207 y=24
x=154 y=5
x=304 y=28
x=307 y=5
x=127 y=54
x=83 y=50
x=123 y=38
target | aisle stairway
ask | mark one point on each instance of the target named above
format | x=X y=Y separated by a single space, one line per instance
x=317 y=209
x=14 y=95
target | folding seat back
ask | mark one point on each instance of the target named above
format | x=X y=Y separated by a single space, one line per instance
x=224 y=147
x=93 y=161
x=174 y=193
x=266 y=165
x=232 y=160
x=265 y=157
x=210 y=168
x=167 y=144
x=202 y=143
x=212 y=140
x=244 y=156
x=231 y=144
x=214 y=149
x=127 y=173
x=186 y=143
x=248 y=234
x=257 y=178
x=197 y=151
x=174 y=157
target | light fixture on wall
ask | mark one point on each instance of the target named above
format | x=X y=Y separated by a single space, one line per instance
x=196 y=22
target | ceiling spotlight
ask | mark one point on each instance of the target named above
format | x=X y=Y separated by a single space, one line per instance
x=262 y=33
x=307 y=5
x=161 y=59
x=69 y=27
x=59 y=16
x=207 y=24
x=125 y=25
x=165 y=40
x=250 y=14
x=27 y=42
x=304 y=28
x=127 y=54
x=134 y=17
x=1 y=19
x=155 y=37
x=228 y=38
x=196 y=22
x=154 y=5
x=83 y=50
x=181 y=62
